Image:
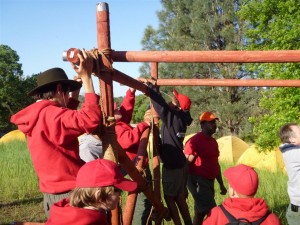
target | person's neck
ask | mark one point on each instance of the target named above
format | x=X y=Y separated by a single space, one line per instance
x=206 y=133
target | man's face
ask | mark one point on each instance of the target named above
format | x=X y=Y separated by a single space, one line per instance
x=295 y=139
x=209 y=127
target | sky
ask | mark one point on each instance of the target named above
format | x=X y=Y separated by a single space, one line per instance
x=40 y=30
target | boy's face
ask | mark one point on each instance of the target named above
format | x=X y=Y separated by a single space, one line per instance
x=295 y=139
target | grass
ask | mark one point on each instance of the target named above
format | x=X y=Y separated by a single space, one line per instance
x=21 y=200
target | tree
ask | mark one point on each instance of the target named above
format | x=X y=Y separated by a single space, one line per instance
x=273 y=25
x=205 y=25
x=13 y=86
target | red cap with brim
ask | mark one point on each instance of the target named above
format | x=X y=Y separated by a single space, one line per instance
x=184 y=101
x=243 y=179
x=101 y=173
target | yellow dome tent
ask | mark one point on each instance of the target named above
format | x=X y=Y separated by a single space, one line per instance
x=231 y=148
x=186 y=138
x=12 y=136
x=271 y=161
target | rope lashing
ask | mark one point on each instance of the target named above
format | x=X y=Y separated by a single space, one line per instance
x=105 y=64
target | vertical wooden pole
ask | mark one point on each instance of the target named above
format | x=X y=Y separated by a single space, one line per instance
x=106 y=87
x=103 y=38
x=155 y=160
x=109 y=139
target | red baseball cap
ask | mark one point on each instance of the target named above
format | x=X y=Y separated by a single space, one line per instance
x=184 y=101
x=243 y=179
x=101 y=173
x=207 y=116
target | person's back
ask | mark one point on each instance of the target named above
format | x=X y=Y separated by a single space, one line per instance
x=242 y=203
x=90 y=147
x=175 y=118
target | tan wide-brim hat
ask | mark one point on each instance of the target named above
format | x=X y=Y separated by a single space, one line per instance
x=54 y=76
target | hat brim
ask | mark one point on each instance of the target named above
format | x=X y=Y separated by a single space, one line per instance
x=72 y=84
x=126 y=185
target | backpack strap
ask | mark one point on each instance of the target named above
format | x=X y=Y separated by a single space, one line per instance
x=230 y=217
x=233 y=220
x=259 y=221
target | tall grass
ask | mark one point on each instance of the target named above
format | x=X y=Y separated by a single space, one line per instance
x=18 y=179
x=20 y=198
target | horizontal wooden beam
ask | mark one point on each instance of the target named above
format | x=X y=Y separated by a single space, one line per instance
x=270 y=56
x=228 y=82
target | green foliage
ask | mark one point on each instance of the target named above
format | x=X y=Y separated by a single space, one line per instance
x=205 y=25
x=273 y=25
x=142 y=104
x=13 y=87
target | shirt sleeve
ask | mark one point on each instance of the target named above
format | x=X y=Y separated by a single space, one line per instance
x=127 y=106
x=128 y=136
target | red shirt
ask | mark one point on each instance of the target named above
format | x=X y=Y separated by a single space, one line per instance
x=206 y=152
x=52 y=132
x=249 y=208
x=62 y=213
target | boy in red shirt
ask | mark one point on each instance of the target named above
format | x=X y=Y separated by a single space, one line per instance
x=243 y=184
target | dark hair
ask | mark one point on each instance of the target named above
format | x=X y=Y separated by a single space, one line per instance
x=49 y=91
x=286 y=132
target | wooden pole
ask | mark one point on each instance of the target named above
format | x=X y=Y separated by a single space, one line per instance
x=106 y=88
x=155 y=160
x=228 y=82
x=140 y=161
x=271 y=56
x=109 y=139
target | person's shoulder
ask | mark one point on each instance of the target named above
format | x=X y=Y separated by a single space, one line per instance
x=272 y=219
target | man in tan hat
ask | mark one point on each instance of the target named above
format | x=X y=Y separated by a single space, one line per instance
x=202 y=153
x=52 y=125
